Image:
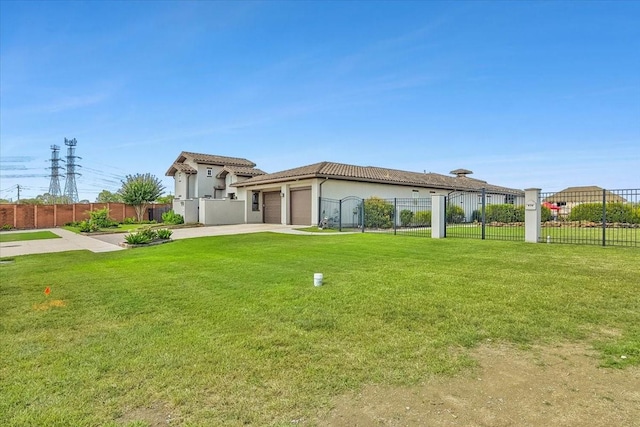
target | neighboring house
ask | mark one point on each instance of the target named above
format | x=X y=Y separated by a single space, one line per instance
x=570 y=197
x=292 y=196
x=202 y=181
x=226 y=190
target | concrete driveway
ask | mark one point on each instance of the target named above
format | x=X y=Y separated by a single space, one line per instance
x=70 y=241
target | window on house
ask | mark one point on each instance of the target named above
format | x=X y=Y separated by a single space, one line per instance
x=255 y=201
x=510 y=199
x=209 y=172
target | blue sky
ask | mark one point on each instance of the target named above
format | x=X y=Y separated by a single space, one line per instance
x=525 y=94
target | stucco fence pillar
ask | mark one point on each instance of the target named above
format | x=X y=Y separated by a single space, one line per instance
x=438 y=216
x=532 y=215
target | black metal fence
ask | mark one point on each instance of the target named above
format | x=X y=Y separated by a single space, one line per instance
x=591 y=216
x=154 y=213
x=580 y=216
x=485 y=215
x=400 y=216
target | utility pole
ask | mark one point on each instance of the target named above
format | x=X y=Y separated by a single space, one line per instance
x=18 y=187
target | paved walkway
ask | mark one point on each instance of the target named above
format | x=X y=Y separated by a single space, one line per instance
x=70 y=241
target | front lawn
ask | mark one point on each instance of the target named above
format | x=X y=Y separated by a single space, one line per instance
x=231 y=331
x=120 y=228
x=35 y=235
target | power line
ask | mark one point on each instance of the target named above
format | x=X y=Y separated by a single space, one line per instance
x=13 y=187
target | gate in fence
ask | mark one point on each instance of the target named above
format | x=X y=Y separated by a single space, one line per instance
x=485 y=215
x=400 y=216
x=591 y=216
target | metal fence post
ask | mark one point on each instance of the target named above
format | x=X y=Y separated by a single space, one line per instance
x=363 y=215
x=340 y=215
x=604 y=217
x=395 y=211
x=484 y=222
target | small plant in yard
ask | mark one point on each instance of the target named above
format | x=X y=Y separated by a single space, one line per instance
x=170 y=217
x=164 y=234
x=136 y=239
x=455 y=214
x=422 y=219
x=6 y=227
x=406 y=215
x=101 y=218
x=87 y=226
x=147 y=235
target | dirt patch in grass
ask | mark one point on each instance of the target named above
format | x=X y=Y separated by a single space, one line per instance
x=541 y=386
x=155 y=415
x=49 y=304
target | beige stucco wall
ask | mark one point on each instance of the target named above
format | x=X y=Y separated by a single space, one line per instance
x=221 y=211
x=187 y=208
x=180 y=185
x=336 y=189
x=205 y=184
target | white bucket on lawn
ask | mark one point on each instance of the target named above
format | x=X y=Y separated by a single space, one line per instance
x=317 y=279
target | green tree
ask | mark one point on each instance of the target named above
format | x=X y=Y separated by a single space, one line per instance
x=32 y=201
x=168 y=199
x=140 y=190
x=106 y=196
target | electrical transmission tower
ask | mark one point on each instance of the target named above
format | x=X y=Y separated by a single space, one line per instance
x=54 y=187
x=70 y=188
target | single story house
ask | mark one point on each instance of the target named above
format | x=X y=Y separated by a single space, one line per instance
x=236 y=192
x=292 y=196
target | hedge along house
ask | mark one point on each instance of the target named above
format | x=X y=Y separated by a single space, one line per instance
x=293 y=196
x=203 y=187
x=571 y=197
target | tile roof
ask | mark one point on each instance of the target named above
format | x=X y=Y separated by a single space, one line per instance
x=377 y=175
x=240 y=171
x=586 y=194
x=183 y=168
x=207 y=159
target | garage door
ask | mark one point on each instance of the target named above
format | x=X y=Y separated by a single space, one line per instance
x=272 y=213
x=301 y=206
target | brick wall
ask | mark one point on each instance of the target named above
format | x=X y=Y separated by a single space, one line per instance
x=48 y=216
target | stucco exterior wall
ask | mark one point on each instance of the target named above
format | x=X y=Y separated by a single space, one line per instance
x=205 y=183
x=188 y=209
x=184 y=186
x=336 y=189
x=221 y=211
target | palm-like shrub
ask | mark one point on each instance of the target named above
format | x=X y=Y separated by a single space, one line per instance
x=164 y=234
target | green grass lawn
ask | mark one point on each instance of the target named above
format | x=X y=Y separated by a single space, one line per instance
x=613 y=236
x=36 y=235
x=121 y=228
x=231 y=331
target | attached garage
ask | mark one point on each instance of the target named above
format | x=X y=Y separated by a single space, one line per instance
x=301 y=206
x=272 y=207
